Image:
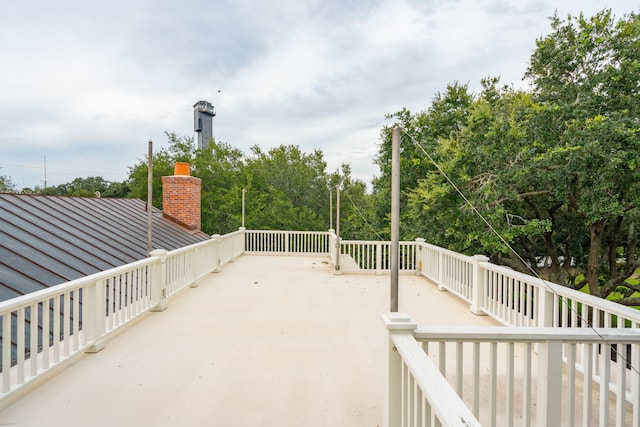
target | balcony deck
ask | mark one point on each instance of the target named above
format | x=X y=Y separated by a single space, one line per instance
x=270 y=340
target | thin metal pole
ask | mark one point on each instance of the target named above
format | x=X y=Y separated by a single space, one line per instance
x=337 y=266
x=394 y=255
x=243 y=191
x=330 y=209
x=149 y=197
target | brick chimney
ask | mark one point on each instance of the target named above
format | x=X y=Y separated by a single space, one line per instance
x=181 y=197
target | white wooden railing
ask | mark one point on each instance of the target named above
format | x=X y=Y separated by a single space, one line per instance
x=287 y=242
x=517 y=299
x=43 y=329
x=359 y=256
x=514 y=376
x=416 y=392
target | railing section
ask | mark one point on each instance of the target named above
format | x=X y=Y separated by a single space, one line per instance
x=517 y=299
x=287 y=242
x=509 y=376
x=417 y=393
x=42 y=329
x=532 y=376
x=374 y=257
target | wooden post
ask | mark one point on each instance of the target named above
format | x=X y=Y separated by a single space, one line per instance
x=149 y=198
x=549 y=375
x=159 y=280
x=336 y=267
x=93 y=311
x=394 y=255
x=478 y=285
x=396 y=323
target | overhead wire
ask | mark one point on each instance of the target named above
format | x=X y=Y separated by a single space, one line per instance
x=362 y=216
x=513 y=251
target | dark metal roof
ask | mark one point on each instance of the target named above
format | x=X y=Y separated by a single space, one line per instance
x=47 y=240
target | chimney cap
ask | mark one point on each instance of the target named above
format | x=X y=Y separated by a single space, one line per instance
x=181 y=169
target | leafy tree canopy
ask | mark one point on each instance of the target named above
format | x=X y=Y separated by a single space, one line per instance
x=554 y=170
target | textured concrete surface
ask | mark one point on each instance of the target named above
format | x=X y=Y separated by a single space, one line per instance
x=269 y=341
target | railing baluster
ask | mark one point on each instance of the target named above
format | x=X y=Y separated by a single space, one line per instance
x=605 y=377
x=33 y=335
x=476 y=379
x=570 y=354
x=65 y=334
x=526 y=384
x=56 y=328
x=20 y=345
x=587 y=383
x=6 y=351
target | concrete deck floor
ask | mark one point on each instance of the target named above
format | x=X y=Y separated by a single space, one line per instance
x=269 y=341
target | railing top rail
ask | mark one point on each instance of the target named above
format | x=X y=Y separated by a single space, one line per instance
x=190 y=247
x=37 y=296
x=286 y=232
x=609 y=306
x=374 y=242
x=445 y=251
x=229 y=235
x=527 y=334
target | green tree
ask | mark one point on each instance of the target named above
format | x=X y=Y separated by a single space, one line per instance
x=286 y=189
x=357 y=217
x=553 y=171
x=7 y=185
x=93 y=186
x=220 y=168
x=443 y=120
x=180 y=149
x=586 y=78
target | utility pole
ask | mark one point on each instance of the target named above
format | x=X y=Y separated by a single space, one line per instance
x=395 y=217
x=337 y=266
x=149 y=197
x=330 y=209
x=243 y=191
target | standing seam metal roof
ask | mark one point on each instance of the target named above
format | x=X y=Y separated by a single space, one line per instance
x=48 y=240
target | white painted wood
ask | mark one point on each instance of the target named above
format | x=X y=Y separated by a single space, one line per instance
x=570 y=350
x=605 y=376
x=6 y=352
x=549 y=383
x=448 y=408
x=20 y=344
x=33 y=344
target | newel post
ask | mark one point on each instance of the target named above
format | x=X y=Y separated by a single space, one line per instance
x=216 y=253
x=420 y=256
x=441 y=271
x=545 y=307
x=159 y=280
x=549 y=404
x=94 y=313
x=197 y=266
x=397 y=324
x=478 y=285
x=243 y=242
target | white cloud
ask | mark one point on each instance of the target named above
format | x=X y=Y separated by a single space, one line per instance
x=90 y=82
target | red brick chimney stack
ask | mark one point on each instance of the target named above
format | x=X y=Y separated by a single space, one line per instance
x=181 y=197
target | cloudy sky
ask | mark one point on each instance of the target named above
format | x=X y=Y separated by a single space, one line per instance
x=84 y=85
